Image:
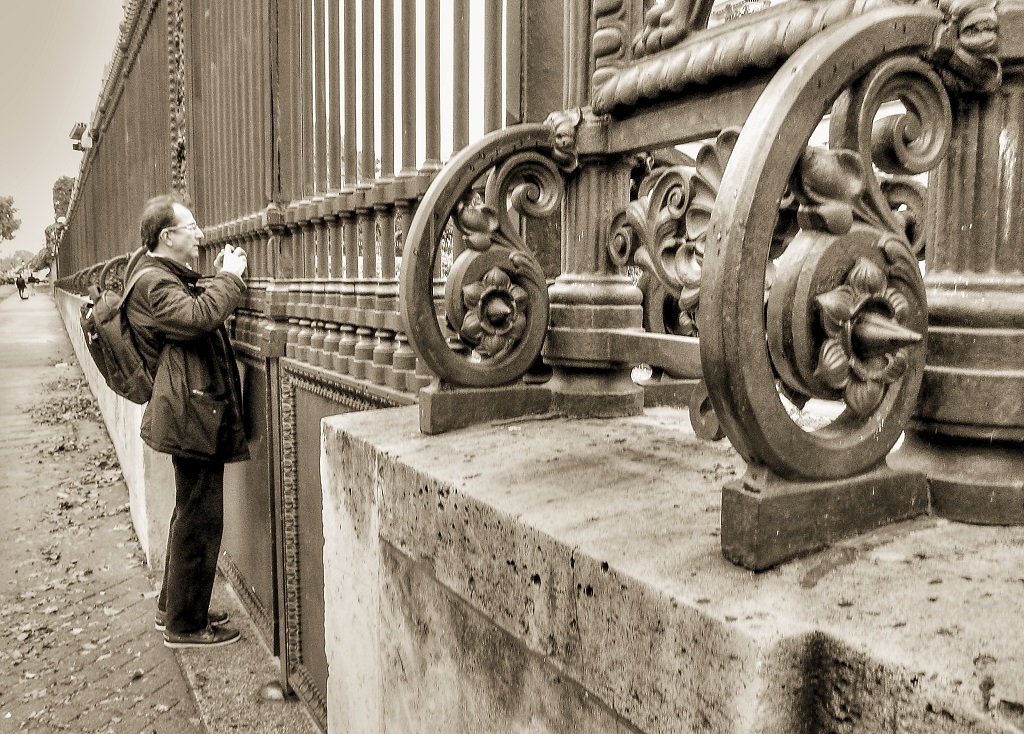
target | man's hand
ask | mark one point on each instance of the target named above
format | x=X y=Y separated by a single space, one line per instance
x=231 y=259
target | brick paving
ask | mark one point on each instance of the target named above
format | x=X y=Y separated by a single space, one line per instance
x=78 y=651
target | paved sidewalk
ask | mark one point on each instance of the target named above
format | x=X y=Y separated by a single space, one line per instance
x=78 y=651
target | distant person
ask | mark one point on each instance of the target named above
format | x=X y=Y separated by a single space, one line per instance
x=20 y=283
x=32 y=280
x=195 y=413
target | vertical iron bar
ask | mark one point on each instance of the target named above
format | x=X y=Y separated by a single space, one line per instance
x=320 y=132
x=460 y=94
x=351 y=146
x=264 y=151
x=334 y=140
x=215 y=206
x=386 y=297
x=432 y=86
x=367 y=166
x=251 y=113
x=492 y=65
x=308 y=157
x=387 y=89
x=197 y=136
x=515 y=79
x=334 y=97
x=284 y=109
x=294 y=103
x=408 y=90
x=367 y=158
x=241 y=92
x=460 y=76
x=230 y=173
x=387 y=139
x=321 y=183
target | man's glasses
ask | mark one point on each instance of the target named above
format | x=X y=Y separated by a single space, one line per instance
x=191 y=226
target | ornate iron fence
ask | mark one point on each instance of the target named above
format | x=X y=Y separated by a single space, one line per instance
x=646 y=191
x=306 y=132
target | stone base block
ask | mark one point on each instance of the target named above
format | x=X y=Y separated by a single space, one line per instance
x=767 y=520
x=969 y=481
x=667 y=391
x=445 y=408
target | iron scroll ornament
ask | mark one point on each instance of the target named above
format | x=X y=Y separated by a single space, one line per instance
x=495 y=297
x=846 y=316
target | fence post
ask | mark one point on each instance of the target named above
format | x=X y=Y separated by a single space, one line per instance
x=590 y=297
x=969 y=424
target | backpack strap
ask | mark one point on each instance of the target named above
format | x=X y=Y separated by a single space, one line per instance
x=131 y=284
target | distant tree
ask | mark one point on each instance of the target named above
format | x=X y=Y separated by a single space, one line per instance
x=42 y=258
x=8 y=224
x=62 y=188
x=19 y=258
x=62 y=195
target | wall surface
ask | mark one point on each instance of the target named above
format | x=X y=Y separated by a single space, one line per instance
x=555 y=576
x=148 y=474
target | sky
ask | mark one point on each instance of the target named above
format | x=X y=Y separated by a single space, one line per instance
x=52 y=59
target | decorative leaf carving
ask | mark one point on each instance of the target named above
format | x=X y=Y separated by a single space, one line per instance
x=968 y=43
x=833 y=365
x=863 y=397
x=663 y=231
x=838 y=307
x=867 y=278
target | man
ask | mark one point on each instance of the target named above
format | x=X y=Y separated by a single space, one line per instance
x=195 y=413
x=20 y=283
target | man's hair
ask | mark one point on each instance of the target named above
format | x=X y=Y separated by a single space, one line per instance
x=157 y=215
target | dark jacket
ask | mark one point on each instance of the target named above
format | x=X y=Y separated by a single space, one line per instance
x=196 y=408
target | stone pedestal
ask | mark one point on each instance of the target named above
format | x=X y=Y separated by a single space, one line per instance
x=559 y=576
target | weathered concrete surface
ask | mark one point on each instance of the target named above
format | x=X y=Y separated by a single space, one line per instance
x=556 y=575
x=147 y=473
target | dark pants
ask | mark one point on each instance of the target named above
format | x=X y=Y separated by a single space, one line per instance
x=193 y=543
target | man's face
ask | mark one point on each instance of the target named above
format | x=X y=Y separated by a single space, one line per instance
x=182 y=239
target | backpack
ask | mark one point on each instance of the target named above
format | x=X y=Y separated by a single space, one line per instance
x=112 y=344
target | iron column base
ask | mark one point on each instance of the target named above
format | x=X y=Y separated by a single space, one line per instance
x=969 y=481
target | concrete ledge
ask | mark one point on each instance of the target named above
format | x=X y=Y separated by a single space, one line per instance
x=557 y=575
x=148 y=474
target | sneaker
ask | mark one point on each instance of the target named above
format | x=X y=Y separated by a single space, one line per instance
x=216 y=617
x=210 y=636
